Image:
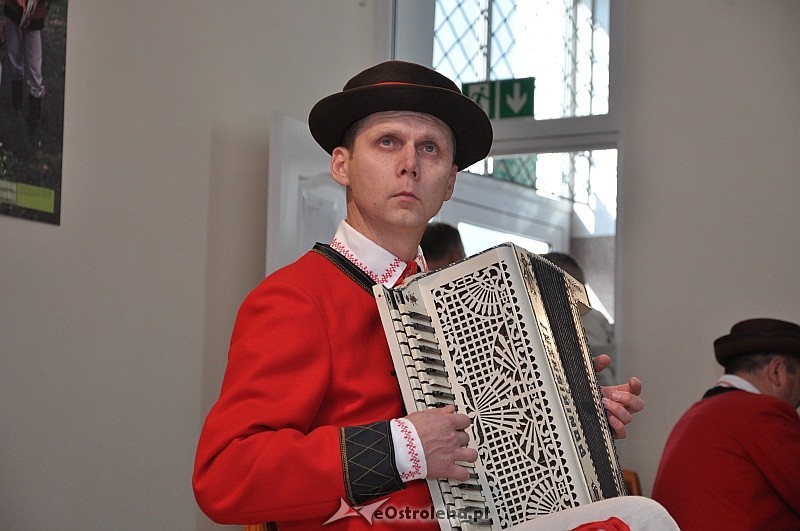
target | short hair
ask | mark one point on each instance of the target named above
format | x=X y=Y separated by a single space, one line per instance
x=349 y=140
x=755 y=361
x=567 y=262
x=438 y=239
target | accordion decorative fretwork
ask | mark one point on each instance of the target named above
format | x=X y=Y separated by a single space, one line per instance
x=499 y=336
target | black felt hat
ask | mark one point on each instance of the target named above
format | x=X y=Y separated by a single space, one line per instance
x=403 y=86
x=758 y=336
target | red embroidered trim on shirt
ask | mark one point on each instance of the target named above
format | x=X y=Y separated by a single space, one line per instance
x=408 y=437
x=378 y=279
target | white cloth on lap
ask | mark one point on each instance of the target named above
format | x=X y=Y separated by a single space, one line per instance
x=638 y=512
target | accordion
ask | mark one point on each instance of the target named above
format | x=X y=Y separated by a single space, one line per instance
x=499 y=336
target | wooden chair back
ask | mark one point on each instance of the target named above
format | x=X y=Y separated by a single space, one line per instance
x=631 y=479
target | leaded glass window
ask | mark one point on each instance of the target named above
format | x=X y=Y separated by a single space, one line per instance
x=565 y=46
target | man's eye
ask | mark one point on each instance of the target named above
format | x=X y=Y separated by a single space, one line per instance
x=429 y=148
x=386 y=141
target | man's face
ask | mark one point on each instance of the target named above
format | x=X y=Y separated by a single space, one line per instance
x=781 y=381
x=793 y=388
x=398 y=173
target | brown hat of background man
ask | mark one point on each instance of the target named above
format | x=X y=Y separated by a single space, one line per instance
x=403 y=86
x=758 y=336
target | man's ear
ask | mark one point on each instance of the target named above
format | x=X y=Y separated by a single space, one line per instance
x=776 y=371
x=339 y=162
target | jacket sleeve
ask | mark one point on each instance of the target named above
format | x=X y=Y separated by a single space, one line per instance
x=260 y=457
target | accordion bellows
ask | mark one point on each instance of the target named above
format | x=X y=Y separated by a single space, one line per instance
x=499 y=336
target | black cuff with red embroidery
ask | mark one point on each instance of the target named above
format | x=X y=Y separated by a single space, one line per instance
x=368 y=462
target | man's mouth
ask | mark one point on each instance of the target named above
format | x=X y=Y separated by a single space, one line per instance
x=406 y=194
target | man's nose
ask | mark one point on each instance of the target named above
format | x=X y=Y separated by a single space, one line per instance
x=410 y=161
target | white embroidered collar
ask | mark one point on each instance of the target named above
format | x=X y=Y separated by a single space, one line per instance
x=382 y=266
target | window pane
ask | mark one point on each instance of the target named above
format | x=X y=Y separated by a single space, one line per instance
x=459 y=40
x=588 y=179
x=564 y=44
x=477 y=239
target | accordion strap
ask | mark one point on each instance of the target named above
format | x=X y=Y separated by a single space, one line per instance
x=346 y=266
x=718 y=390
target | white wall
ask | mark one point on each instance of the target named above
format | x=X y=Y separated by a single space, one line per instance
x=115 y=324
x=709 y=223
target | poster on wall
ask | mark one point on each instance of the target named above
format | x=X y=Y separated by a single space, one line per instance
x=33 y=43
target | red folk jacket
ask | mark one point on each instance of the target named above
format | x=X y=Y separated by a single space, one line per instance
x=733 y=462
x=308 y=355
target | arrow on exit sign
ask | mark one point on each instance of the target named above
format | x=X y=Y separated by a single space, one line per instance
x=503 y=98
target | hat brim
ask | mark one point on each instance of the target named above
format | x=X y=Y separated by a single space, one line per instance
x=333 y=115
x=728 y=347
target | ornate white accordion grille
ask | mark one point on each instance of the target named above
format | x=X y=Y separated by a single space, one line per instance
x=481 y=335
x=501 y=382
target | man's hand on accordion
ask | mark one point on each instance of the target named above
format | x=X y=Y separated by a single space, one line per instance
x=444 y=442
x=620 y=401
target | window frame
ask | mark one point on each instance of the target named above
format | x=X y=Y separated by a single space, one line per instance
x=408 y=29
x=404 y=30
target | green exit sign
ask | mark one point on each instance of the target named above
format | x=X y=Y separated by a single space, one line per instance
x=504 y=98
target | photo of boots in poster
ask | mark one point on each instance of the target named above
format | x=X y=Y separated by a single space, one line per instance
x=33 y=37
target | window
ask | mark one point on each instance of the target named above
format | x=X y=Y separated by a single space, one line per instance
x=568 y=150
x=564 y=44
x=477 y=238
